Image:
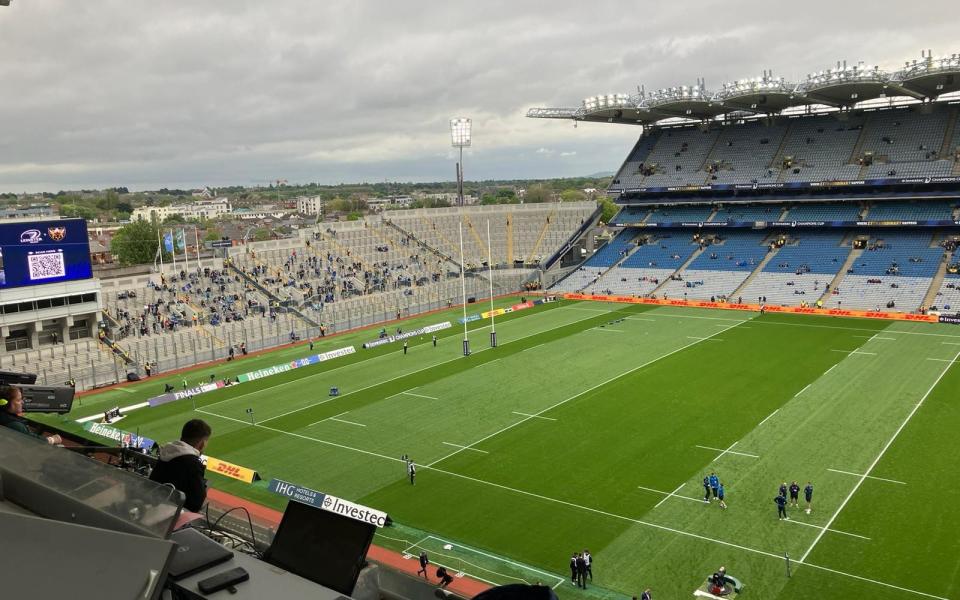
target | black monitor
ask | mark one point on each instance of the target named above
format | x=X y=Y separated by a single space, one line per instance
x=47 y=398
x=12 y=378
x=321 y=546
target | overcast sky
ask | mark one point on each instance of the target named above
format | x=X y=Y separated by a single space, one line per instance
x=185 y=93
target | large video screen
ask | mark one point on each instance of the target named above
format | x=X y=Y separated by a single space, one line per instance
x=40 y=252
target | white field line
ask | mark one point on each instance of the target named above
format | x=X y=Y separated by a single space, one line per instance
x=462 y=447
x=530 y=348
x=868 y=476
x=855 y=352
x=875 y=337
x=706 y=538
x=830 y=369
x=593 y=310
x=946 y=360
x=767 y=418
x=605 y=329
x=668 y=495
x=577 y=395
x=951 y=343
x=125 y=390
x=807 y=387
x=727 y=451
x=346 y=421
x=290 y=412
x=642 y=319
x=522 y=414
x=877 y=459
x=809 y=325
x=795 y=522
x=123 y=409
x=408 y=393
x=712 y=339
x=501 y=559
x=372 y=358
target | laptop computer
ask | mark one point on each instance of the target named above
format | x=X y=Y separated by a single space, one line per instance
x=195 y=552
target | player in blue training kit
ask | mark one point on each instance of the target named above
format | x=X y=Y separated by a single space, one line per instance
x=720 y=495
x=781 y=507
x=808 y=494
x=714 y=483
x=783 y=489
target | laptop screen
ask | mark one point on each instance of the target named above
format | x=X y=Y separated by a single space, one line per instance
x=321 y=546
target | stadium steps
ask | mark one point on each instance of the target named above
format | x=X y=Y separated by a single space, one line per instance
x=858 y=146
x=423 y=244
x=707 y=159
x=481 y=245
x=666 y=280
x=510 y=257
x=931 y=297
x=763 y=263
x=543 y=234
x=610 y=268
x=945 y=149
x=838 y=278
x=777 y=162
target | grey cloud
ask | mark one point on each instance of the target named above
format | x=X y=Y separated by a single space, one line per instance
x=145 y=94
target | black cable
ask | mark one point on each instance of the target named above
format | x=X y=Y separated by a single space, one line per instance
x=253 y=538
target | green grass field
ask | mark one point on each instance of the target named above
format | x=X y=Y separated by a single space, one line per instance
x=592 y=425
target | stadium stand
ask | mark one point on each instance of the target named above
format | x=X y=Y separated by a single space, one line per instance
x=648 y=266
x=895 y=271
x=720 y=269
x=800 y=270
x=906 y=141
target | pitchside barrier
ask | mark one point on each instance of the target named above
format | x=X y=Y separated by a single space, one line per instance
x=830 y=312
x=461 y=560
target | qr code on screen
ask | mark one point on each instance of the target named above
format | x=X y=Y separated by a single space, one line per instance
x=46 y=266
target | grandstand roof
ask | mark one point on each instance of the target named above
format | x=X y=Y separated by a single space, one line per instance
x=842 y=86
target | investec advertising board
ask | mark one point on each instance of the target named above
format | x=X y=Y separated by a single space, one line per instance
x=328 y=503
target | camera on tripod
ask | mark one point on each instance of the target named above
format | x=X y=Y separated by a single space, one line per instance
x=39 y=398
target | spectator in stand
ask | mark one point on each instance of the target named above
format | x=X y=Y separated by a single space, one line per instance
x=11 y=414
x=180 y=465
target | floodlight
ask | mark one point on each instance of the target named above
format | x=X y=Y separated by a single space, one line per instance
x=460 y=132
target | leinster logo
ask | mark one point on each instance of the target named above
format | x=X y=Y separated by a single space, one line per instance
x=31 y=236
x=57 y=233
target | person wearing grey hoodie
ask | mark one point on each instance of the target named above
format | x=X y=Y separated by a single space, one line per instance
x=180 y=464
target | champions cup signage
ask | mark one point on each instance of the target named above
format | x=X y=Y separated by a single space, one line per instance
x=409 y=334
x=329 y=503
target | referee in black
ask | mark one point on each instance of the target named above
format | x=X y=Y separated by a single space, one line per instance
x=795 y=495
x=808 y=495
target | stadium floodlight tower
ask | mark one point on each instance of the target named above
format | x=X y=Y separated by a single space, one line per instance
x=460 y=138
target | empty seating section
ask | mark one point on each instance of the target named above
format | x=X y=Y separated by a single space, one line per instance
x=819 y=148
x=679 y=156
x=743 y=213
x=720 y=268
x=948 y=296
x=745 y=152
x=894 y=272
x=905 y=143
x=527 y=233
x=647 y=266
x=801 y=270
x=817 y=211
x=613 y=251
x=877 y=144
x=629 y=175
x=631 y=214
x=666 y=214
x=933 y=210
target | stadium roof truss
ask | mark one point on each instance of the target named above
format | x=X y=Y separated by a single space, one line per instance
x=841 y=87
